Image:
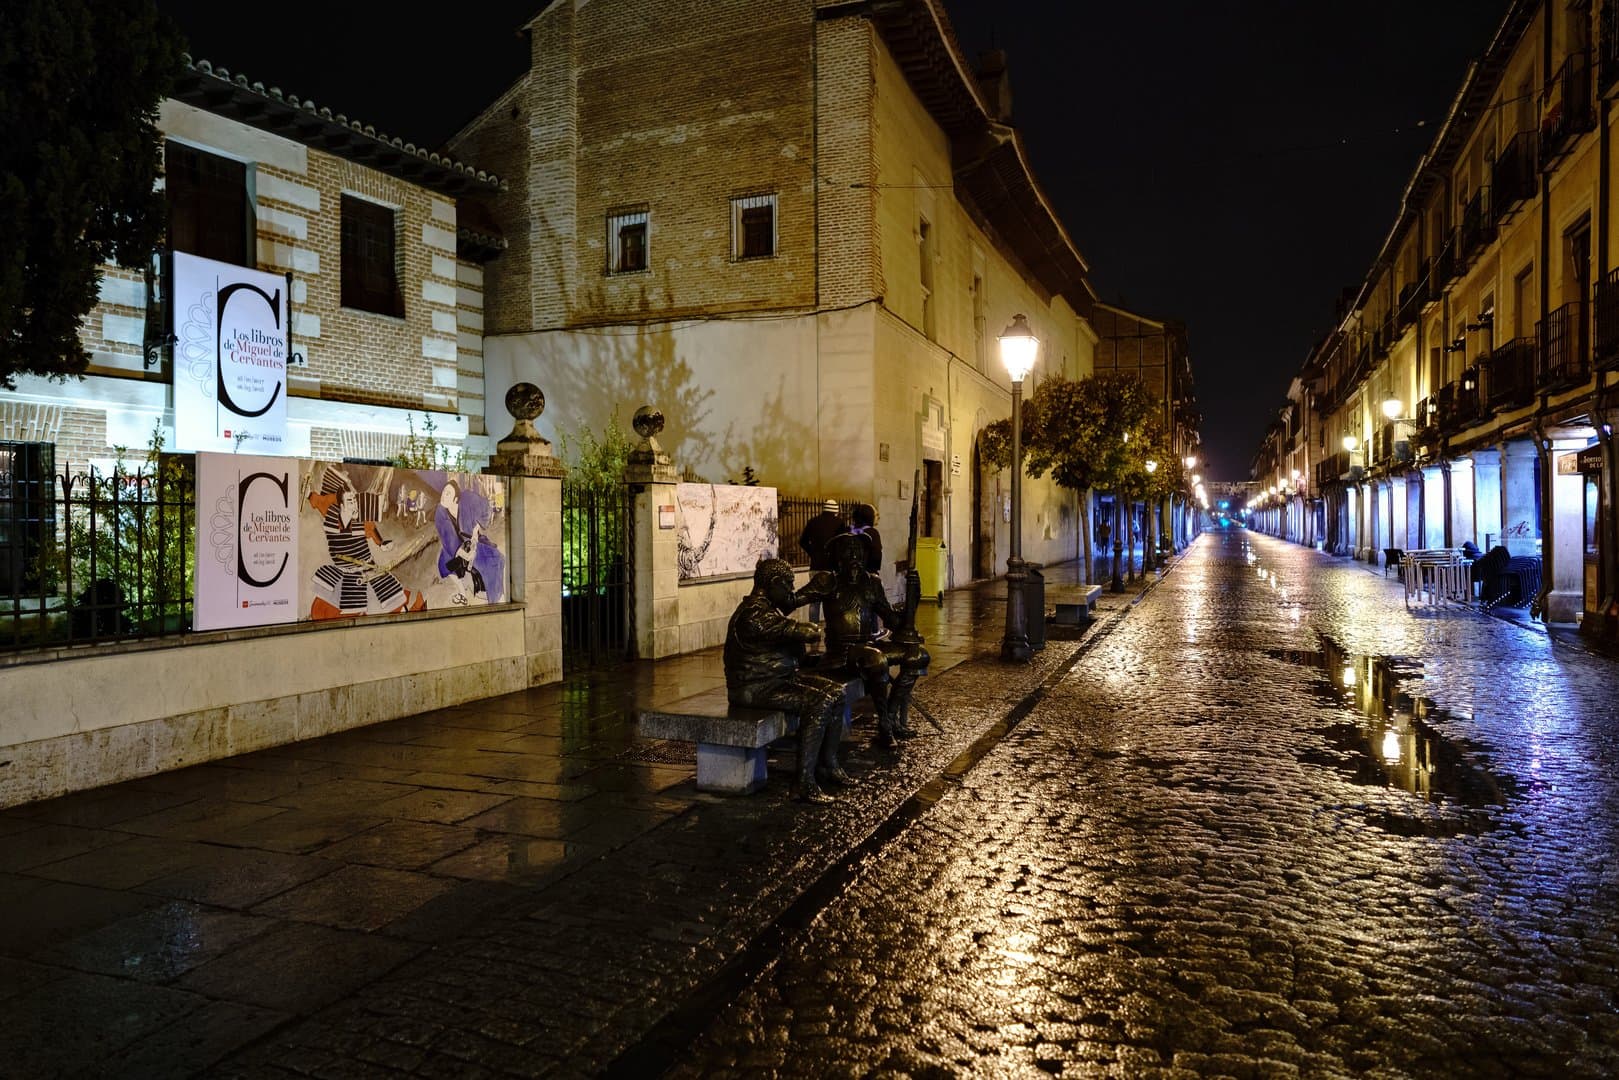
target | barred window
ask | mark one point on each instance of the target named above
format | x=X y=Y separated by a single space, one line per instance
x=27 y=514
x=753 y=227
x=370 y=271
x=209 y=211
x=627 y=242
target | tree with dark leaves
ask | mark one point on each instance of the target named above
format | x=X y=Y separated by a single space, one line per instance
x=80 y=154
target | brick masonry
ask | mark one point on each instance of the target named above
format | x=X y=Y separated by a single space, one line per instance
x=430 y=360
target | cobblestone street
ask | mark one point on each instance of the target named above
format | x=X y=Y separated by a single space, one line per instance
x=1226 y=844
x=1260 y=820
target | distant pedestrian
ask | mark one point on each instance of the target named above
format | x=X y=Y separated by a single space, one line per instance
x=816 y=542
x=864 y=518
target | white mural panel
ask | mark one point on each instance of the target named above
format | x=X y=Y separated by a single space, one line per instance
x=723 y=530
x=247 y=541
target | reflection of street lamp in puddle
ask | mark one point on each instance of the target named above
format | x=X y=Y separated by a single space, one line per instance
x=1391 y=746
x=1349 y=675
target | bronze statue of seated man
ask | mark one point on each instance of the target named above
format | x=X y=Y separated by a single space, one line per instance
x=865 y=634
x=764 y=653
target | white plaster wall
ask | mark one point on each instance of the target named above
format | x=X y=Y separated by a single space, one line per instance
x=705 y=611
x=80 y=722
x=734 y=392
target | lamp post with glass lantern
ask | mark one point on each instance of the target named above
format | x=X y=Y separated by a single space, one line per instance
x=1149 y=560
x=1019 y=347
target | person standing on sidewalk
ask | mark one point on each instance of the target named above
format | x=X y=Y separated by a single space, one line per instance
x=816 y=542
x=864 y=518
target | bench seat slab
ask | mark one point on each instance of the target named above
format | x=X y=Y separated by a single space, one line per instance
x=730 y=770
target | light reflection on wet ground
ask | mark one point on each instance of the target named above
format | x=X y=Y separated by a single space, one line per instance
x=1272 y=825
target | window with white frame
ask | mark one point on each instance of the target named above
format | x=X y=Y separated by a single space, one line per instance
x=753 y=226
x=627 y=242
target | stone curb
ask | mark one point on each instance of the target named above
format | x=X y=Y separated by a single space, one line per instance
x=676 y=1030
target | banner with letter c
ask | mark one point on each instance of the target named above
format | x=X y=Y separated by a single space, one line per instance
x=232 y=338
x=247 y=541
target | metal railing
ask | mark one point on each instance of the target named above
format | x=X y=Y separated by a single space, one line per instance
x=1568 y=112
x=598 y=559
x=1466 y=403
x=1413 y=295
x=91 y=555
x=1607 y=48
x=1605 y=345
x=1478 y=226
x=1511 y=371
x=1513 y=176
x=793 y=512
x=1565 y=359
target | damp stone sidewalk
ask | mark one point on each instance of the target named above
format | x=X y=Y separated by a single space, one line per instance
x=517 y=886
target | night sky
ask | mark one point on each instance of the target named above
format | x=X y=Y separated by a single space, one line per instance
x=1234 y=165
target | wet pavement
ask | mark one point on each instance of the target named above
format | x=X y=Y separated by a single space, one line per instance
x=1263 y=822
x=1272 y=825
x=518 y=884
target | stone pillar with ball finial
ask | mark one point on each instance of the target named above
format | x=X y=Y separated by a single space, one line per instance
x=650 y=477
x=535 y=476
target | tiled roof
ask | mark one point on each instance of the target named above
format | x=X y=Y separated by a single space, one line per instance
x=206 y=86
x=991 y=167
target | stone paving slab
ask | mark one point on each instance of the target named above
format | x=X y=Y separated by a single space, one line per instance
x=511 y=886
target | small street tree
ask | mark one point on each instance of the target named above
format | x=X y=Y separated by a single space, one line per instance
x=1076 y=430
x=80 y=83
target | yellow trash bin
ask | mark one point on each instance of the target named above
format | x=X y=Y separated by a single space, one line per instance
x=931 y=566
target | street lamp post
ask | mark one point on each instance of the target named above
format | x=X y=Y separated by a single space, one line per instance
x=1149 y=559
x=1019 y=347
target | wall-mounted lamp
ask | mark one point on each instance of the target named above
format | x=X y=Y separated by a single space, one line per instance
x=1459 y=345
x=1486 y=319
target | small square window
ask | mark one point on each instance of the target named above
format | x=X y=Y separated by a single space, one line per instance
x=370 y=276
x=753 y=227
x=627 y=246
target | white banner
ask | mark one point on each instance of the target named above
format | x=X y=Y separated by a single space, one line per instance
x=247 y=541
x=231 y=343
x=723 y=529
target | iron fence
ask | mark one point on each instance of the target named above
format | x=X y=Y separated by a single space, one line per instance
x=793 y=512
x=598 y=559
x=93 y=555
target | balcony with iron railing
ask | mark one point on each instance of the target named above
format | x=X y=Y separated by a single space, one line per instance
x=1466 y=403
x=1511 y=370
x=1567 y=112
x=1565 y=353
x=1332 y=469
x=1513 y=177
x=1413 y=295
x=1425 y=423
x=1446 y=265
x=1608 y=50
x=1390 y=448
x=1443 y=404
x=1605 y=343
x=1477 y=227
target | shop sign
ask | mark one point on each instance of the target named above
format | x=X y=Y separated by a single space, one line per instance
x=1591 y=460
x=232 y=337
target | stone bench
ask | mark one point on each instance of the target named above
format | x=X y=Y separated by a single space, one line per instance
x=1074 y=604
x=731 y=739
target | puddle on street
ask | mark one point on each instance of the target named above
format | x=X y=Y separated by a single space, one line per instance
x=1392 y=742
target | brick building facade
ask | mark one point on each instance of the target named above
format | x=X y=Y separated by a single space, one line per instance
x=797 y=228
x=361 y=378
